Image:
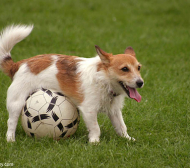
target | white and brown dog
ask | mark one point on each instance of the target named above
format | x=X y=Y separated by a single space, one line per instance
x=95 y=85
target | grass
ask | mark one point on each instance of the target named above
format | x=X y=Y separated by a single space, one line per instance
x=159 y=32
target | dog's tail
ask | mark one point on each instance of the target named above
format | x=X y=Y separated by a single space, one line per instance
x=9 y=37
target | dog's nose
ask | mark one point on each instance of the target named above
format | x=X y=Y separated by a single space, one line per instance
x=139 y=83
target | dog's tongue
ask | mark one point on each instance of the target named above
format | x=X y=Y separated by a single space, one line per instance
x=134 y=94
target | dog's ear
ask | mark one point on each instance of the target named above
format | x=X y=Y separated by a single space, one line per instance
x=105 y=57
x=129 y=50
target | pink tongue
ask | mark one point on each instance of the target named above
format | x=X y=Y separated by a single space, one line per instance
x=134 y=94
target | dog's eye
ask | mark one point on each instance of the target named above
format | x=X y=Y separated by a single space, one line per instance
x=139 y=68
x=125 y=69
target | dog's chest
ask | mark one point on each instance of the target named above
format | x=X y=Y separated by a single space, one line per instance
x=107 y=101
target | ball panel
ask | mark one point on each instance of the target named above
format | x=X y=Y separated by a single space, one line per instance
x=41 y=131
x=37 y=102
x=67 y=110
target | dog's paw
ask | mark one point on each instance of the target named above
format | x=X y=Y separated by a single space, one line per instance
x=10 y=138
x=130 y=138
x=133 y=139
x=94 y=141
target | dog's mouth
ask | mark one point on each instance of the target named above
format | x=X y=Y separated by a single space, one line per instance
x=131 y=92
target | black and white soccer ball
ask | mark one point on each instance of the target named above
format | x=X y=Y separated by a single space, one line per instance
x=49 y=113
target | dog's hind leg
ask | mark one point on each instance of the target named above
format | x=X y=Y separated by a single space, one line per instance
x=119 y=124
x=16 y=96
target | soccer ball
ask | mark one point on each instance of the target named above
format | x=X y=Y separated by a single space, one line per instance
x=49 y=113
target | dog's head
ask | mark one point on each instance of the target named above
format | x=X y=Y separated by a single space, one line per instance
x=123 y=70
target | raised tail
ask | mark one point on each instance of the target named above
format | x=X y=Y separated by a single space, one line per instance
x=9 y=37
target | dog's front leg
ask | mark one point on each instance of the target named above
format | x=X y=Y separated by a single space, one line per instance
x=119 y=124
x=90 y=119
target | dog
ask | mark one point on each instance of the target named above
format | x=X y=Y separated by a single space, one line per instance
x=97 y=84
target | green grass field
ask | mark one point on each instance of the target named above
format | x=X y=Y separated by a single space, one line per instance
x=159 y=32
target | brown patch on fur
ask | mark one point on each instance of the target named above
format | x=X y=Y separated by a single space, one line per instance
x=39 y=63
x=102 y=66
x=9 y=67
x=67 y=77
x=122 y=60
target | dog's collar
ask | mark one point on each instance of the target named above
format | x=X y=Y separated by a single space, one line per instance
x=112 y=93
x=112 y=96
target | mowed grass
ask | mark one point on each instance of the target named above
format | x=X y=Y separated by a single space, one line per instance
x=158 y=31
